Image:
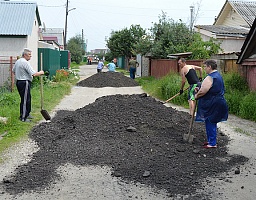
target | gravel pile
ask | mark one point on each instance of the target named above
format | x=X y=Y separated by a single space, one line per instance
x=108 y=79
x=137 y=136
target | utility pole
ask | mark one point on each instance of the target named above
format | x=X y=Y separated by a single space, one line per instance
x=66 y=25
x=83 y=38
x=191 y=17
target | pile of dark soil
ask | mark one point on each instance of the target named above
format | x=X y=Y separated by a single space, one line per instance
x=136 y=135
x=108 y=79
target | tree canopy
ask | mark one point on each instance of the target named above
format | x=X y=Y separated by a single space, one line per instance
x=75 y=46
x=123 y=42
x=163 y=38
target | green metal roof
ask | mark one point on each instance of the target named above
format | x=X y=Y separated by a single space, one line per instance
x=17 y=18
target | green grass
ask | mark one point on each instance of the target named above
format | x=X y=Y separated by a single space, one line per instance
x=164 y=88
x=74 y=65
x=53 y=92
x=239 y=130
x=240 y=100
x=123 y=71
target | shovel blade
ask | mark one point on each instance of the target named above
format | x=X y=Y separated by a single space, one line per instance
x=188 y=137
x=46 y=115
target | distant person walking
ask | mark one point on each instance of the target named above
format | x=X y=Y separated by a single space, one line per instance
x=24 y=74
x=133 y=64
x=115 y=62
x=111 y=66
x=189 y=72
x=100 y=65
x=212 y=107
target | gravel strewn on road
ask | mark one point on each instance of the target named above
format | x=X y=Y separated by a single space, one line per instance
x=135 y=136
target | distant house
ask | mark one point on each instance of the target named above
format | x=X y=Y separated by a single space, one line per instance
x=98 y=51
x=231 y=26
x=231 y=38
x=247 y=58
x=237 y=14
x=54 y=35
x=50 y=42
x=19 y=28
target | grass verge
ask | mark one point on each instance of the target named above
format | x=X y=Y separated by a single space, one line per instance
x=13 y=130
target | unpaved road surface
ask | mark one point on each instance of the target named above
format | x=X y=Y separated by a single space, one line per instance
x=96 y=182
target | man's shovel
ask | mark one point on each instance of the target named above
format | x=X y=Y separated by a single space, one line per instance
x=188 y=137
x=44 y=113
x=174 y=96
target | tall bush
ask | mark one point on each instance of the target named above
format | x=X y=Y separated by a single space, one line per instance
x=248 y=107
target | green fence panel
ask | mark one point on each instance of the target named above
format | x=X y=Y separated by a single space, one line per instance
x=51 y=60
x=121 y=62
x=64 y=59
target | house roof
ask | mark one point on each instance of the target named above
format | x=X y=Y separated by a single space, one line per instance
x=225 y=30
x=51 y=38
x=178 y=55
x=246 y=9
x=54 y=32
x=248 y=48
x=17 y=18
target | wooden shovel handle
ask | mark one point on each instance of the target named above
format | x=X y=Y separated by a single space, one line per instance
x=175 y=96
x=41 y=81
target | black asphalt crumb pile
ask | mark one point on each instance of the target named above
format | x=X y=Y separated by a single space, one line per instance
x=108 y=79
x=137 y=136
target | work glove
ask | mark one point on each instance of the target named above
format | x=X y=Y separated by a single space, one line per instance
x=200 y=79
x=181 y=91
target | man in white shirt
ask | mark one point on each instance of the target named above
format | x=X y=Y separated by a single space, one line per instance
x=24 y=74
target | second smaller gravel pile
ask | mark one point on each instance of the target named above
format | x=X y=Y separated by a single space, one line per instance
x=108 y=79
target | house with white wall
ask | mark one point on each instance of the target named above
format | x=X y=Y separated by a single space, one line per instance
x=19 y=29
x=231 y=26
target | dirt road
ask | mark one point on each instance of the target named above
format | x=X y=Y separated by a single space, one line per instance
x=96 y=182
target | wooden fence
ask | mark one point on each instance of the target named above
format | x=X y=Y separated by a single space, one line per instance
x=162 y=67
x=6 y=75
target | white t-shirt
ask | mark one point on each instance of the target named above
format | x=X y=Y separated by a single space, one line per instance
x=23 y=70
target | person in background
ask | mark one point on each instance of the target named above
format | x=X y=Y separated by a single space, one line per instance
x=111 y=66
x=189 y=72
x=24 y=74
x=115 y=62
x=133 y=64
x=212 y=106
x=100 y=65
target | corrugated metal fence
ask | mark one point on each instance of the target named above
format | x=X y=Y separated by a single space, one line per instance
x=162 y=67
x=6 y=75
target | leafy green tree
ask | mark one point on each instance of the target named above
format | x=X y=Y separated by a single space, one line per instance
x=75 y=46
x=203 y=49
x=123 y=42
x=166 y=37
x=170 y=37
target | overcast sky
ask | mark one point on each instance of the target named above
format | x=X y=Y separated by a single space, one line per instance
x=98 y=18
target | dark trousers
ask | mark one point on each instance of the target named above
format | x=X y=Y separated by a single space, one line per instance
x=211 y=132
x=132 y=72
x=25 y=97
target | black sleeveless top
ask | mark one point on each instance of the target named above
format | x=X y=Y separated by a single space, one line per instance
x=192 y=77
